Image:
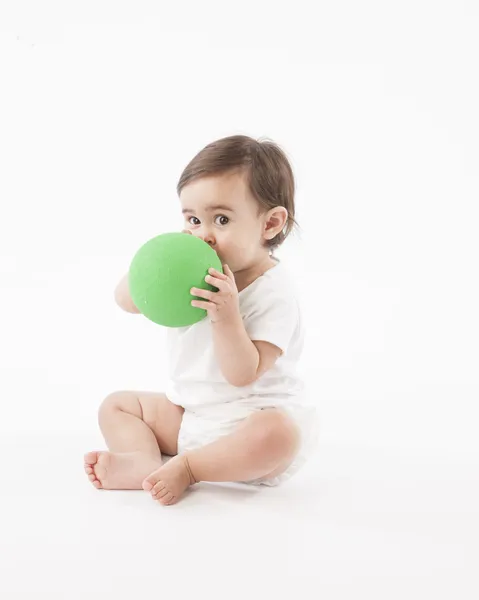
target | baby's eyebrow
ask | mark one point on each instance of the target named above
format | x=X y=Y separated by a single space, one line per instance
x=210 y=209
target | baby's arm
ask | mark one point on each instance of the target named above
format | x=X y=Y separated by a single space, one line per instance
x=123 y=297
x=241 y=361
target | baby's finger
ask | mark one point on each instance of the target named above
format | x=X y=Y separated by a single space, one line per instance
x=201 y=293
x=216 y=273
x=209 y=306
x=228 y=272
x=221 y=284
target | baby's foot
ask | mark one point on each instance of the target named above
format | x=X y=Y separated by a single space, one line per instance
x=168 y=483
x=119 y=471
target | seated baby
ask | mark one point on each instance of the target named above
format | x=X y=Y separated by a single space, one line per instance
x=234 y=409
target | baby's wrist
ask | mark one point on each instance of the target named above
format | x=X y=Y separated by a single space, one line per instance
x=230 y=323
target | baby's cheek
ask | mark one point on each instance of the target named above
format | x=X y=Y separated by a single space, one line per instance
x=227 y=244
x=239 y=241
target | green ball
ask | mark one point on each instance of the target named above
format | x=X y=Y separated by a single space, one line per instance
x=162 y=273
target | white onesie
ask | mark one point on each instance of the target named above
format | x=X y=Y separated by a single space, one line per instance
x=213 y=407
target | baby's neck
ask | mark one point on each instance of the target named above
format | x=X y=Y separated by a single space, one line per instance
x=246 y=276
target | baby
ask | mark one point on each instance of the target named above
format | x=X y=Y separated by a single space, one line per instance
x=234 y=409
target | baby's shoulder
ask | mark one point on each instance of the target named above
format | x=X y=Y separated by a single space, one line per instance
x=274 y=286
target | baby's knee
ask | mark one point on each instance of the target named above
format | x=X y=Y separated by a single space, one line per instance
x=118 y=401
x=276 y=433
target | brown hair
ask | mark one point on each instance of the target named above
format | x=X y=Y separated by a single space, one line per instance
x=268 y=173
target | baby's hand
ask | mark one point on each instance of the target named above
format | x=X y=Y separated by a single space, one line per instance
x=223 y=304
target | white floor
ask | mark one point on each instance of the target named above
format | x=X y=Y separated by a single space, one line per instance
x=358 y=522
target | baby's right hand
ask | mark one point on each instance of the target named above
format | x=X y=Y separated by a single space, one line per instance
x=187 y=231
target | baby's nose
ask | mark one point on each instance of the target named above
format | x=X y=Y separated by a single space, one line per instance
x=208 y=238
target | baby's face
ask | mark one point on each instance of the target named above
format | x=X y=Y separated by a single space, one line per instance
x=221 y=211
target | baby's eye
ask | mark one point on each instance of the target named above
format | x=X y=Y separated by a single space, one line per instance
x=222 y=220
x=192 y=223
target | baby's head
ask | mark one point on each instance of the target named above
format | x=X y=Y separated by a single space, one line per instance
x=237 y=194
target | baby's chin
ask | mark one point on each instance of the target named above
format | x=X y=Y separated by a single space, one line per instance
x=223 y=260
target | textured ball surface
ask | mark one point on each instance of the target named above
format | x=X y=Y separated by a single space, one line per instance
x=162 y=273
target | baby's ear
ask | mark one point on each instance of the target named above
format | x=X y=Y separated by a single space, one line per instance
x=275 y=221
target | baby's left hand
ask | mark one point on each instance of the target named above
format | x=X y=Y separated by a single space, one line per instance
x=223 y=304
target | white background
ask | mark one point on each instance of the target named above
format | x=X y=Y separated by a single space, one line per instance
x=101 y=107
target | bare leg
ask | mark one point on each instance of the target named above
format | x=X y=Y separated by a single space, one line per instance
x=137 y=427
x=143 y=421
x=263 y=446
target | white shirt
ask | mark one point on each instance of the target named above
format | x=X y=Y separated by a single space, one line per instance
x=270 y=311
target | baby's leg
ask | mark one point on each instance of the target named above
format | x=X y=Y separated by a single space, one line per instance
x=137 y=427
x=264 y=445
x=140 y=421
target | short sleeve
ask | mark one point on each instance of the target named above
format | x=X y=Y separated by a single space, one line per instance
x=274 y=320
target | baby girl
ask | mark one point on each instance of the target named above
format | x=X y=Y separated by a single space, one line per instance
x=234 y=408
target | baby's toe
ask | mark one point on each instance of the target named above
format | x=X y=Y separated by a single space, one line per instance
x=150 y=482
x=93 y=478
x=147 y=485
x=158 y=487
x=91 y=461
x=167 y=499
x=158 y=494
x=90 y=458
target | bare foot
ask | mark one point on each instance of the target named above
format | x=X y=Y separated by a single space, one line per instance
x=119 y=471
x=168 y=483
